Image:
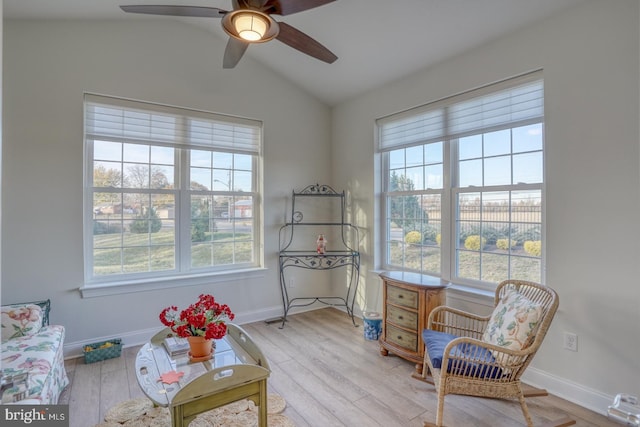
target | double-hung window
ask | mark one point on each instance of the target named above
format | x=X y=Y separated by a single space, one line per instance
x=170 y=193
x=462 y=183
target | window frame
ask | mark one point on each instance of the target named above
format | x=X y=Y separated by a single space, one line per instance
x=183 y=272
x=385 y=195
x=450 y=189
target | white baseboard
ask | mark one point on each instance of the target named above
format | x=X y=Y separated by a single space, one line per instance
x=579 y=394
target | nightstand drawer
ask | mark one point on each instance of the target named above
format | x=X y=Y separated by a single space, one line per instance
x=401 y=317
x=403 y=297
x=404 y=339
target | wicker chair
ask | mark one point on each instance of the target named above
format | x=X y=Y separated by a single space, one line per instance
x=470 y=371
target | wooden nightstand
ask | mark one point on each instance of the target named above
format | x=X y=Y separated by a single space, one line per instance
x=408 y=300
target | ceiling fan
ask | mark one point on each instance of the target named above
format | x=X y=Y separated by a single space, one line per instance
x=249 y=22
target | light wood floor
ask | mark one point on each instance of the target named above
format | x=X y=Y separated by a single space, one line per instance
x=330 y=376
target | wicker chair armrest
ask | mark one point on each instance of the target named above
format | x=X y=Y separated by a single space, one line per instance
x=457 y=322
x=510 y=362
x=488 y=346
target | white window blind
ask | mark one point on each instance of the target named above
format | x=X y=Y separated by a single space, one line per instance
x=420 y=128
x=503 y=104
x=131 y=121
x=509 y=106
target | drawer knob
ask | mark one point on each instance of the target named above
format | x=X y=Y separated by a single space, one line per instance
x=400 y=317
x=400 y=296
x=399 y=337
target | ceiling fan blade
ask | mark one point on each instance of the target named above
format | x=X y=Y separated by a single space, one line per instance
x=196 y=11
x=288 y=7
x=305 y=44
x=233 y=52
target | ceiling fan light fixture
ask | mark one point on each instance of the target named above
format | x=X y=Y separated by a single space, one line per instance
x=249 y=22
x=250 y=26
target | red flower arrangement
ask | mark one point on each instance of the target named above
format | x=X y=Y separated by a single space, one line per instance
x=204 y=318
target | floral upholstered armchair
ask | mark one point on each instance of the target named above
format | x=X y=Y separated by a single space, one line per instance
x=32 y=355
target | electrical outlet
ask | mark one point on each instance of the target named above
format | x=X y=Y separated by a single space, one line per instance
x=570 y=341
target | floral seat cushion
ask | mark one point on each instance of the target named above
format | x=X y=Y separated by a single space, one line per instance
x=41 y=356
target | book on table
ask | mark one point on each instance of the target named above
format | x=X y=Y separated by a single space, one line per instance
x=176 y=346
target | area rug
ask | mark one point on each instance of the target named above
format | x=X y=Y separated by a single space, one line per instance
x=244 y=413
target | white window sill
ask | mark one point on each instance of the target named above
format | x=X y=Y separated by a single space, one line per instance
x=472 y=294
x=125 y=287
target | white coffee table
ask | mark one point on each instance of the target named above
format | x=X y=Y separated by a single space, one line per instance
x=237 y=371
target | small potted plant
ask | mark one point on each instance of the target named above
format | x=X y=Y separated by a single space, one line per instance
x=200 y=323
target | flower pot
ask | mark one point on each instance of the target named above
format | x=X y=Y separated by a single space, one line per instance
x=200 y=349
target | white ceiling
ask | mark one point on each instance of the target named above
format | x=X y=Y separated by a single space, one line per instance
x=376 y=41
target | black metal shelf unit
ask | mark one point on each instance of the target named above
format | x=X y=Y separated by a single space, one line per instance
x=348 y=256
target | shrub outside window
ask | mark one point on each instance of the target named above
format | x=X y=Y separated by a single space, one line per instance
x=462 y=185
x=169 y=191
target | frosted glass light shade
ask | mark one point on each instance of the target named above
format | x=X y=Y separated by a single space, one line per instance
x=250 y=26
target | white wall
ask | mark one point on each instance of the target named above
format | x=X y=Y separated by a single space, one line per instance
x=590 y=57
x=48 y=65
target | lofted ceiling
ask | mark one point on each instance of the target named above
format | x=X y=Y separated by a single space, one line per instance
x=376 y=41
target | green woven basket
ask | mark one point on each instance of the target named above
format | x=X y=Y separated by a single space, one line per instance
x=96 y=354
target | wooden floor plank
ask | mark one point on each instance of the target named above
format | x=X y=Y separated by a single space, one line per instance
x=266 y=345
x=302 y=399
x=380 y=411
x=330 y=376
x=319 y=355
x=84 y=398
x=356 y=372
x=111 y=390
x=328 y=397
x=129 y=355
